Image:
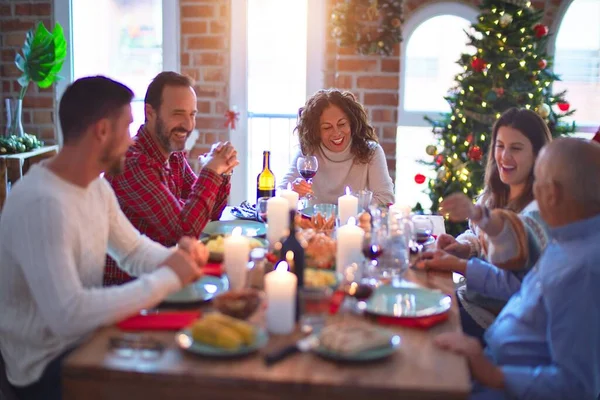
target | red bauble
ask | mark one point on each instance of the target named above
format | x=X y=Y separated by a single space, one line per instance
x=475 y=153
x=499 y=91
x=478 y=64
x=564 y=106
x=420 y=178
x=540 y=30
x=542 y=64
x=439 y=159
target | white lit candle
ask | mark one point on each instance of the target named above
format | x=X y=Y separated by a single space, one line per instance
x=280 y=288
x=291 y=196
x=278 y=217
x=235 y=257
x=349 y=245
x=347 y=206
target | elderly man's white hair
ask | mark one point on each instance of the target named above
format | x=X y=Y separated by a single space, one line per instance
x=574 y=164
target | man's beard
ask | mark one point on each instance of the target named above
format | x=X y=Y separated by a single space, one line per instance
x=115 y=164
x=164 y=137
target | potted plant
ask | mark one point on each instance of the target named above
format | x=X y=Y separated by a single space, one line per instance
x=40 y=60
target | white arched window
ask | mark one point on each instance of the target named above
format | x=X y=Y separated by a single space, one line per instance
x=577 y=62
x=434 y=39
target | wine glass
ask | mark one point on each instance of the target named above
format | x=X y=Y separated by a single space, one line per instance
x=261 y=208
x=373 y=248
x=423 y=229
x=307 y=167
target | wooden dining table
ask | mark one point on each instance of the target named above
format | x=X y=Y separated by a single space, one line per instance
x=417 y=370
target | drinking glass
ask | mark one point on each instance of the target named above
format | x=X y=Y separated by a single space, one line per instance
x=365 y=197
x=423 y=229
x=261 y=209
x=307 y=167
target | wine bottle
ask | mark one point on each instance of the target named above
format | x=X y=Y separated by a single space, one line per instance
x=265 y=182
x=293 y=252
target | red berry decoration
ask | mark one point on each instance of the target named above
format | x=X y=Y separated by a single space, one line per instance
x=542 y=64
x=540 y=30
x=439 y=159
x=470 y=137
x=420 y=178
x=564 y=106
x=475 y=153
x=478 y=64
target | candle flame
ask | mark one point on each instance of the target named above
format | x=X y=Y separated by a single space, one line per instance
x=347 y=189
x=289 y=187
x=282 y=266
x=289 y=256
x=237 y=231
x=351 y=221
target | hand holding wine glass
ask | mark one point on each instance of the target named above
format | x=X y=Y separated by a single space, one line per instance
x=307 y=167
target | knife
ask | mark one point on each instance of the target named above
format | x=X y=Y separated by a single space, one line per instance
x=303 y=345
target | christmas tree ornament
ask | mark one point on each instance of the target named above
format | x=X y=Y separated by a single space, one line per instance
x=506 y=20
x=231 y=117
x=542 y=64
x=540 y=30
x=543 y=110
x=439 y=159
x=499 y=91
x=420 y=179
x=431 y=150
x=564 y=106
x=469 y=138
x=478 y=64
x=475 y=153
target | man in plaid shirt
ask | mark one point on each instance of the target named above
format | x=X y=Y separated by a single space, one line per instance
x=158 y=191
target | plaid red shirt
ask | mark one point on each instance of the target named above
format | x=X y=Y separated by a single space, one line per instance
x=163 y=198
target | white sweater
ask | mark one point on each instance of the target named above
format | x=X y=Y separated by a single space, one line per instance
x=54 y=238
x=338 y=170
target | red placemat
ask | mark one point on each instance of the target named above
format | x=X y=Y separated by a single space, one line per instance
x=213 y=269
x=422 y=322
x=163 y=321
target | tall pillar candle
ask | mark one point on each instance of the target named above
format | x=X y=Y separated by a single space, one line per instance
x=236 y=250
x=291 y=196
x=349 y=245
x=280 y=289
x=278 y=210
x=347 y=206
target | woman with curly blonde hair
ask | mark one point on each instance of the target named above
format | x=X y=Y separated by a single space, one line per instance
x=333 y=127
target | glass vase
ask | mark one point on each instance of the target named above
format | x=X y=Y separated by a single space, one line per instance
x=14 y=125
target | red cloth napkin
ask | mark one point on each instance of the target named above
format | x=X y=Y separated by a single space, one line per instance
x=213 y=269
x=163 y=321
x=422 y=322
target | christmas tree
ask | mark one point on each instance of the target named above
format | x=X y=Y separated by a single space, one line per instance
x=510 y=68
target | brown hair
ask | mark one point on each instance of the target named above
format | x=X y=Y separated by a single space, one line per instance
x=167 y=78
x=309 y=128
x=532 y=126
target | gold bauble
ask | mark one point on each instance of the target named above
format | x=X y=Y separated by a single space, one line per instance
x=431 y=150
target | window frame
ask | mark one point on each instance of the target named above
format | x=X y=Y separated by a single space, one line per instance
x=63 y=14
x=581 y=130
x=238 y=79
x=422 y=14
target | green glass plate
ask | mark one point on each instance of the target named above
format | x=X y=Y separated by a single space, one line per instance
x=184 y=339
x=361 y=356
x=407 y=302
x=203 y=289
x=249 y=228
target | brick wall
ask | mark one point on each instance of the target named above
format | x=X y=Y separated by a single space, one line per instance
x=375 y=79
x=205 y=37
x=16 y=17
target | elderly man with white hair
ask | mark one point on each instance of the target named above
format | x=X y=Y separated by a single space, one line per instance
x=545 y=342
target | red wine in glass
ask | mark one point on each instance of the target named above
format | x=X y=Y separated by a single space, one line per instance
x=372 y=251
x=423 y=236
x=307 y=173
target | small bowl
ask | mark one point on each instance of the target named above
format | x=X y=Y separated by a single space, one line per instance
x=240 y=303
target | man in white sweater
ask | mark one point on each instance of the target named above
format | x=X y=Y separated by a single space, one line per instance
x=56 y=228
